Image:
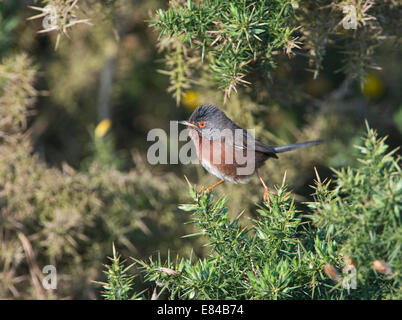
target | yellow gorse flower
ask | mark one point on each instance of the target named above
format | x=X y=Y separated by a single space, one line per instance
x=190 y=99
x=102 y=128
x=373 y=86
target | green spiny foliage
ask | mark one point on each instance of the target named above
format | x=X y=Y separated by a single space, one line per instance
x=64 y=217
x=363 y=215
x=267 y=261
x=229 y=35
x=348 y=247
x=119 y=280
x=242 y=40
x=61 y=15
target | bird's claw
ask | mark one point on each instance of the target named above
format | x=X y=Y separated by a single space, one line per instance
x=209 y=189
x=267 y=199
x=266 y=195
x=201 y=192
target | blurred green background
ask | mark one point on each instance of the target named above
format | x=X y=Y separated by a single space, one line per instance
x=79 y=178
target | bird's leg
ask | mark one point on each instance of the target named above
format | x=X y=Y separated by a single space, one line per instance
x=209 y=189
x=267 y=191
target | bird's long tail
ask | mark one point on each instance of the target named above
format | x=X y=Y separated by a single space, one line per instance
x=299 y=145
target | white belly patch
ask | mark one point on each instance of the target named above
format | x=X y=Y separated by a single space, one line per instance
x=213 y=170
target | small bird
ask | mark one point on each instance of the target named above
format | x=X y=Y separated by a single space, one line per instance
x=224 y=148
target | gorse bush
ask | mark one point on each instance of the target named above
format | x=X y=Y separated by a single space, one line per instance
x=241 y=41
x=363 y=215
x=61 y=216
x=119 y=280
x=347 y=247
x=229 y=34
x=74 y=119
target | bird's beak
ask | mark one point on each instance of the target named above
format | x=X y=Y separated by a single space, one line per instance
x=188 y=124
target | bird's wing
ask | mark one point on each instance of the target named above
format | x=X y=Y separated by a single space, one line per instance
x=248 y=141
x=269 y=151
x=240 y=140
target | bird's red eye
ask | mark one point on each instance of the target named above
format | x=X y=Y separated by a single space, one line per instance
x=202 y=124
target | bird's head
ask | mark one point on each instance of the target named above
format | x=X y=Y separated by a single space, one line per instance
x=207 y=118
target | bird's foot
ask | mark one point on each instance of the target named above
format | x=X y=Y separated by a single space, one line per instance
x=200 y=192
x=209 y=189
x=267 y=191
x=266 y=195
